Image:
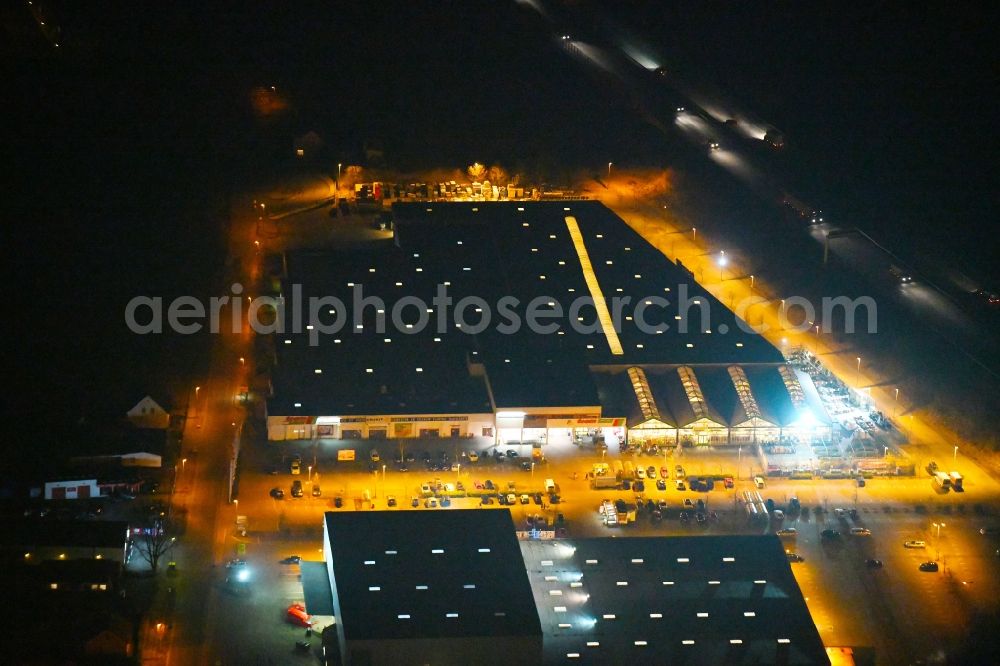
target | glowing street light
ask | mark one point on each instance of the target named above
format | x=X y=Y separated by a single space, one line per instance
x=338 y=178
x=722 y=261
x=955 y=455
x=857 y=374
x=609 y=169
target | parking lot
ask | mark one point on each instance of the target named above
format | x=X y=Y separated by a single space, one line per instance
x=909 y=613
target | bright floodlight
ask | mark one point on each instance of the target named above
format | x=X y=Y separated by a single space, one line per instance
x=243 y=575
x=722 y=260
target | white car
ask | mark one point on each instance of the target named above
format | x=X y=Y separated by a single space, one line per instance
x=861 y=531
x=916 y=543
x=431 y=502
x=640 y=473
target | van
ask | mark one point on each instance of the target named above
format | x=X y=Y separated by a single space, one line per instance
x=758 y=481
x=550 y=485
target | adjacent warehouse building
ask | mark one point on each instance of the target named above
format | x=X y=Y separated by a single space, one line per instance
x=456 y=587
x=429 y=588
x=624 y=340
x=671 y=600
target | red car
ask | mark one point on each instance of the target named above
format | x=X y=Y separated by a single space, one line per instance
x=728 y=481
x=665 y=472
x=297 y=615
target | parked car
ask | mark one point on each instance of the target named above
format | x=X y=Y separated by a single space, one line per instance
x=338 y=501
x=679 y=485
x=511 y=499
x=296 y=467
x=873 y=564
x=640 y=486
x=651 y=472
x=375 y=457
x=473 y=457
x=929 y=566
x=728 y=481
x=795 y=557
x=525 y=499
x=661 y=484
x=679 y=472
x=511 y=453
x=277 y=493
x=640 y=473
x=664 y=473
x=489 y=485
x=787 y=531
x=296 y=488
x=861 y=531
x=414 y=502
x=391 y=500
x=914 y=543
x=830 y=534
x=292 y=559
x=431 y=503
x=316 y=491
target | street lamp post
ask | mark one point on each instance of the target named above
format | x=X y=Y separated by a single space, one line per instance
x=609 y=169
x=337 y=193
x=722 y=263
x=937 y=538
x=954 y=457
x=857 y=374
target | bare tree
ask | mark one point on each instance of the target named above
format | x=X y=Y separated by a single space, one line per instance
x=154 y=543
x=498 y=176
x=476 y=171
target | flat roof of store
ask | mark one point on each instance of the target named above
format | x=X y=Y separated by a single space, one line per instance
x=429 y=574
x=709 y=599
x=492 y=251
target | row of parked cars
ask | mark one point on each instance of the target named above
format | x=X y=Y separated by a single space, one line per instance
x=296 y=491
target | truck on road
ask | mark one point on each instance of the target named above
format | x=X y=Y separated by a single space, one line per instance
x=956 y=482
x=605 y=482
x=942 y=480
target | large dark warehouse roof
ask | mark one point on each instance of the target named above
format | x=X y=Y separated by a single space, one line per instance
x=429 y=574
x=671 y=600
x=525 y=250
